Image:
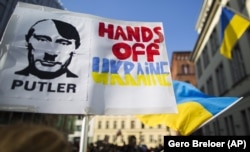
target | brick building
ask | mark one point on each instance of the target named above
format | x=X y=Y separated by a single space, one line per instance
x=181 y=68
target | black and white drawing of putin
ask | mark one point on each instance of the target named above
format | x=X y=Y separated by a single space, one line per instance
x=51 y=45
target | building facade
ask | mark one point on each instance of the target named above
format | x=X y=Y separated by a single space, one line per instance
x=107 y=128
x=219 y=76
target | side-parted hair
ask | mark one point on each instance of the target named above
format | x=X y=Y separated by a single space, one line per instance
x=66 y=30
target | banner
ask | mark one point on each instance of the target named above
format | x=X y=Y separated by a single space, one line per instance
x=195 y=109
x=56 y=61
x=233 y=26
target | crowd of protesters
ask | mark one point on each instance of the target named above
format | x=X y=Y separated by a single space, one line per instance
x=37 y=138
x=131 y=146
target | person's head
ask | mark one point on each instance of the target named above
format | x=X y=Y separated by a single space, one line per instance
x=51 y=45
x=32 y=138
x=132 y=140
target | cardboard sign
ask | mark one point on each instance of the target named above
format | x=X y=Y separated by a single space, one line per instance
x=56 y=61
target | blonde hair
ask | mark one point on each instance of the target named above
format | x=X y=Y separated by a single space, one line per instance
x=32 y=138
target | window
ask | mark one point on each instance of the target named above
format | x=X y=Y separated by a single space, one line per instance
x=221 y=79
x=107 y=124
x=205 y=57
x=78 y=128
x=246 y=125
x=241 y=4
x=142 y=126
x=132 y=124
x=207 y=130
x=210 y=87
x=227 y=126
x=214 y=41
x=123 y=125
x=142 y=138
x=80 y=117
x=202 y=89
x=151 y=139
x=59 y=119
x=237 y=65
x=185 y=69
x=248 y=112
x=159 y=138
x=216 y=127
x=248 y=34
x=178 y=57
x=114 y=124
x=99 y=124
x=231 y=124
x=198 y=70
x=168 y=129
x=2 y=10
x=159 y=126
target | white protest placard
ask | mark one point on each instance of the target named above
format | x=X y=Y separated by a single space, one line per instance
x=56 y=61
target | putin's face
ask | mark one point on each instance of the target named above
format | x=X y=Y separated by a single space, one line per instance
x=50 y=51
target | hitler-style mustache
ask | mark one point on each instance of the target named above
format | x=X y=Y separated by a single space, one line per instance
x=48 y=60
x=49 y=57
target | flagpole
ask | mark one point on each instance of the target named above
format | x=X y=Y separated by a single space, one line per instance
x=84 y=134
x=220 y=112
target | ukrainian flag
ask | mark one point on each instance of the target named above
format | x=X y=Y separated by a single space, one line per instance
x=233 y=26
x=194 y=109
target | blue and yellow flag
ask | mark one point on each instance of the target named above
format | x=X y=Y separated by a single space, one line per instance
x=233 y=25
x=194 y=109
